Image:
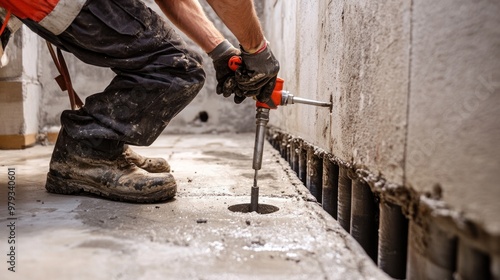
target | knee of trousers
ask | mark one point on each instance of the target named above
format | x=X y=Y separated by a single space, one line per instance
x=195 y=80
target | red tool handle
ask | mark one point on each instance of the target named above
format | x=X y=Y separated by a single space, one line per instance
x=234 y=62
x=276 y=97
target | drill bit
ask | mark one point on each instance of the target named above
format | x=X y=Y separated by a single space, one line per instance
x=288 y=98
x=255 y=179
x=254 y=196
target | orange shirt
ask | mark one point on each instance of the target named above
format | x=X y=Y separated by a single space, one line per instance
x=33 y=9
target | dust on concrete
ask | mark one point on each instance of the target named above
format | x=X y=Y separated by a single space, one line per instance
x=264 y=175
x=291 y=243
x=300 y=241
x=227 y=155
x=296 y=242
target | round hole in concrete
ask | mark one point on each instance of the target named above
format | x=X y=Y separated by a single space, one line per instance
x=203 y=115
x=245 y=208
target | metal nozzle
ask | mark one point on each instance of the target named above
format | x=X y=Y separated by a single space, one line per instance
x=288 y=98
x=254 y=195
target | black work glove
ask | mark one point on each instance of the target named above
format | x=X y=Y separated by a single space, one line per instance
x=257 y=76
x=226 y=83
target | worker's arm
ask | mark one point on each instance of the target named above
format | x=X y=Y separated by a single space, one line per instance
x=189 y=17
x=240 y=17
x=257 y=75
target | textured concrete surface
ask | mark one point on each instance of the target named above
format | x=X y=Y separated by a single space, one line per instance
x=194 y=236
x=223 y=114
x=355 y=53
x=454 y=131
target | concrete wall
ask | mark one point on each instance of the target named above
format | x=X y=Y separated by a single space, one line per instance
x=355 y=53
x=454 y=127
x=223 y=114
x=415 y=90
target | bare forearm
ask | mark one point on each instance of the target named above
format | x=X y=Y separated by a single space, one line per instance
x=189 y=17
x=240 y=17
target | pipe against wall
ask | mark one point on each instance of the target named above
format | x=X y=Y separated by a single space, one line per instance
x=314 y=177
x=302 y=161
x=364 y=212
x=277 y=142
x=285 y=148
x=393 y=237
x=344 y=199
x=282 y=146
x=431 y=253
x=295 y=156
x=471 y=263
x=272 y=140
x=289 y=150
x=330 y=186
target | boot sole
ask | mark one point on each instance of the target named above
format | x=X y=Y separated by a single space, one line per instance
x=59 y=185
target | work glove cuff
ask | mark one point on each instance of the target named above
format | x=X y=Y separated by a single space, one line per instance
x=223 y=49
x=257 y=59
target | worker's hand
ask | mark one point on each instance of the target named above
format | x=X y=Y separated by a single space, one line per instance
x=226 y=83
x=257 y=76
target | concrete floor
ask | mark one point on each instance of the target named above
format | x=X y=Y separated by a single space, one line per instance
x=194 y=236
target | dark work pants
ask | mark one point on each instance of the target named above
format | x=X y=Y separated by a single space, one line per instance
x=156 y=74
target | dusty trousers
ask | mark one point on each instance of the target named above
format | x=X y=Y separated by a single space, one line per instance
x=156 y=74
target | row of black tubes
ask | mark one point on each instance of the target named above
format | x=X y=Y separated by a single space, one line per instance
x=380 y=227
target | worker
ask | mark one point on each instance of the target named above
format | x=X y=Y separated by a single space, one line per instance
x=157 y=75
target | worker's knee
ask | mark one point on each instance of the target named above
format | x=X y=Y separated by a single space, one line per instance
x=195 y=75
x=195 y=66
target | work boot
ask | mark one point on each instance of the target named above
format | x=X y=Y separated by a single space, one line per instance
x=152 y=165
x=100 y=167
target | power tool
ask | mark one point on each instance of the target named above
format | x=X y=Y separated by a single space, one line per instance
x=279 y=97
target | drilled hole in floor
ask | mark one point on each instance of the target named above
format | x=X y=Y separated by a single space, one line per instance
x=261 y=209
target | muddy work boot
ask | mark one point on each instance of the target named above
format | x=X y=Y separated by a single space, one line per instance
x=152 y=165
x=100 y=167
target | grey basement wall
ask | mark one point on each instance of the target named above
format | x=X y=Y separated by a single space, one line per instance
x=415 y=87
x=223 y=114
